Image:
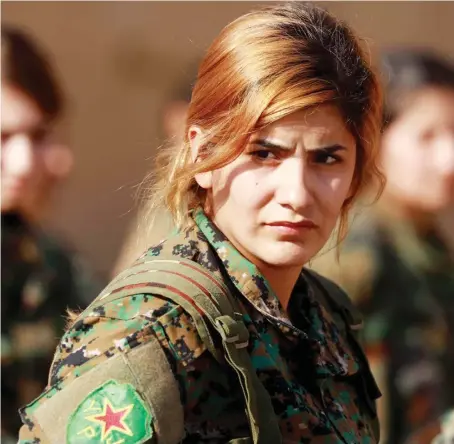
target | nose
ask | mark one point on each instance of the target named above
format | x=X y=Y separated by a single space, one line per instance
x=18 y=156
x=294 y=184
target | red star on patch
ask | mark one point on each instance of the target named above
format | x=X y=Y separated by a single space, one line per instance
x=112 y=419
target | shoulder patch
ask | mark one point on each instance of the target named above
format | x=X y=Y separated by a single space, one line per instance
x=113 y=413
x=97 y=404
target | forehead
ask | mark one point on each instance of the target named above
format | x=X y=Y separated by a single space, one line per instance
x=321 y=125
x=433 y=105
x=19 y=112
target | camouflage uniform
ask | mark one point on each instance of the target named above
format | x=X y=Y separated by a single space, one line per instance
x=403 y=284
x=38 y=284
x=307 y=366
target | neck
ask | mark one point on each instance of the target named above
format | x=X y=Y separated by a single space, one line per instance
x=282 y=280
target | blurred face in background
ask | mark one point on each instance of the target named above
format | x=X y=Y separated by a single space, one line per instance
x=30 y=161
x=418 y=152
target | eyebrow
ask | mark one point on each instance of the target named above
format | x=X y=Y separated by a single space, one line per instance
x=268 y=144
x=330 y=149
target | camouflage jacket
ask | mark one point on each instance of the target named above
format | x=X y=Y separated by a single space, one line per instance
x=303 y=360
x=403 y=283
x=39 y=281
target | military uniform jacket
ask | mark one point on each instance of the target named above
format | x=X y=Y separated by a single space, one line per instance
x=39 y=282
x=102 y=387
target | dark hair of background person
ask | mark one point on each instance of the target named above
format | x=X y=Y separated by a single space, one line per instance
x=407 y=71
x=26 y=67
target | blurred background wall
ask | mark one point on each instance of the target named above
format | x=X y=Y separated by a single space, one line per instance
x=118 y=61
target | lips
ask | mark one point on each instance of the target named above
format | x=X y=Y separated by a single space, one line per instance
x=295 y=225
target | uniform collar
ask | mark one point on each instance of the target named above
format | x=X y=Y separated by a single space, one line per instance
x=243 y=273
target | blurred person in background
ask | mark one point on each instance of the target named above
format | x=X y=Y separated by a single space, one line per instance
x=39 y=278
x=173 y=117
x=397 y=261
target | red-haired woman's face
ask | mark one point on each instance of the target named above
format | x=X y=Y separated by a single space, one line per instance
x=279 y=201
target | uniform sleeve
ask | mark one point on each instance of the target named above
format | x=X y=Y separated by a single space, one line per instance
x=119 y=375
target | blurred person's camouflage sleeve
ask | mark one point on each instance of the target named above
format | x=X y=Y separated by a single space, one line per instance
x=40 y=281
x=403 y=285
x=440 y=431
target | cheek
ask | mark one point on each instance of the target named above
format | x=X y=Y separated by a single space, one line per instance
x=250 y=188
x=238 y=187
x=332 y=191
x=336 y=193
x=39 y=172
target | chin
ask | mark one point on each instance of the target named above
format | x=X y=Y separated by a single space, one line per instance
x=288 y=255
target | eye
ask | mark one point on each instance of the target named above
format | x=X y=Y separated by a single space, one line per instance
x=326 y=158
x=263 y=155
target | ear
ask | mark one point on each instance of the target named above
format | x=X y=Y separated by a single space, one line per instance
x=195 y=137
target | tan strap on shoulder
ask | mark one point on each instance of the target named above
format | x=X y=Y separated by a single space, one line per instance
x=206 y=298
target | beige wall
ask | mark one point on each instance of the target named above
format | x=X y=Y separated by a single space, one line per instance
x=118 y=59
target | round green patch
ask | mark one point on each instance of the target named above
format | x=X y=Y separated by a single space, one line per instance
x=113 y=413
